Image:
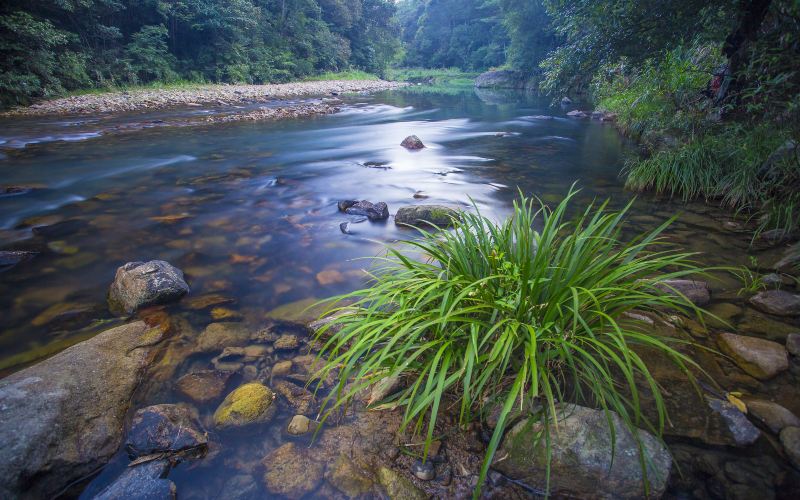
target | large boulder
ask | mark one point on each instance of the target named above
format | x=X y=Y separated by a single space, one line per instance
x=762 y=359
x=139 y=284
x=146 y=481
x=63 y=418
x=373 y=211
x=421 y=215
x=249 y=404
x=696 y=291
x=503 y=79
x=777 y=302
x=582 y=463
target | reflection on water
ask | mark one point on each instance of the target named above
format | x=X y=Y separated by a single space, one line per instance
x=248 y=211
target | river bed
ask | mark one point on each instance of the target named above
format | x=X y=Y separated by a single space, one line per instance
x=249 y=211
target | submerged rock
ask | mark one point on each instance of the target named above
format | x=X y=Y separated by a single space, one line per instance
x=62 y=419
x=741 y=429
x=139 y=284
x=773 y=415
x=9 y=258
x=760 y=358
x=373 y=211
x=398 y=487
x=347 y=478
x=423 y=470
x=165 y=428
x=291 y=471
x=777 y=302
x=298 y=425
x=143 y=481
x=421 y=215
x=790 y=261
x=696 y=291
x=203 y=386
x=412 y=142
x=218 y=336
x=249 y=404
x=582 y=464
x=790 y=439
x=793 y=344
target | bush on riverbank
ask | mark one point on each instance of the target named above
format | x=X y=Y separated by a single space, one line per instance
x=503 y=315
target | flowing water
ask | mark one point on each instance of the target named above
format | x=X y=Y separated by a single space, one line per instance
x=249 y=212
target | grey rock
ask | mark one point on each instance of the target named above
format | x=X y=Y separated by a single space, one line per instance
x=421 y=215
x=793 y=344
x=298 y=425
x=63 y=418
x=696 y=291
x=777 y=302
x=10 y=258
x=165 y=428
x=576 y=113
x=741 y=429
x=772 y=280
x=773 y=415
x=566 y=101
x=790 y=261
x=146 y=481
x=503 y=79
x=760 y=358
x=582 y=464
x=139 y=284
x=373 y=211
x=423 y=470
x=790 y=439
x=412 y=142
x=787 y=152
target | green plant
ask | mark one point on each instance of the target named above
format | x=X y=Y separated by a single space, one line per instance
x=752 y=282
x=504 y=313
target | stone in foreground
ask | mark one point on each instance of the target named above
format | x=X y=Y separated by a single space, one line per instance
x=777 y=302
x=762 y=359
x=140 y=284
x=773 y=415
x=62 y=419
x=249 y=404
x=145 y=481
x=412 y=142
x=425 y=215
x=291 y=471
x=696 y=291
x=373 y=211
x=581 y=463
x=165 y=428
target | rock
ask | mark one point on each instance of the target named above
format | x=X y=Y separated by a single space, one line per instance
x=345 y=477
x=299 y=398
x=772 y=280
x=696 y=291
x=398 y=487
x=291 y=471
x=62 y=418
x=231 y=359
x=566 y=101
x=286 y=342
x=412 y=142
x=144 y=481
x=67 y=314
x=282 y=368
x=760 y=358
x=327 y=326
x=790 y=261
x=742 y=431
x=383 y=388
x=576 y=113
x=139 y=284
x=373 y=211
x=298 y=425
x=249 y=404
x=773 y=415
x=165 y=428
x=503 y=79
x=777 y=302
x=9 y=258
x=423 y=470
x=790 y=439
x=771 y=168
x=203 y=386
x=581 y=463
x=218 y=336
x=421 y=215
x=793 y=344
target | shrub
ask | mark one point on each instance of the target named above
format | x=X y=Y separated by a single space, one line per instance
x=504 y=313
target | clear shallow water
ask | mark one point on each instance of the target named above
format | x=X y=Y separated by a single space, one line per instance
x=248 y=210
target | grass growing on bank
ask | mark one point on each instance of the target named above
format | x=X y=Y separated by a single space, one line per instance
x=429 y=76
x=501 y=313
x=352 y=74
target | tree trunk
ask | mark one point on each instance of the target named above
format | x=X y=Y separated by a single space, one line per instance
x=751 y=16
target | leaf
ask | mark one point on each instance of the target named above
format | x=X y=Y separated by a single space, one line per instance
x=735 y=401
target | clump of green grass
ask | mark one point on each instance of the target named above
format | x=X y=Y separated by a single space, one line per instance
x=504 y=313
x=352 y=74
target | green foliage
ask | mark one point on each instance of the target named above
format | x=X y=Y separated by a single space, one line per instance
x=149 y=56
x=343 y=75
x=531 y=34
x=504 y=314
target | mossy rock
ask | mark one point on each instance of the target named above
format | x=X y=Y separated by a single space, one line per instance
x=345 y=477
x=426 y=215
x=249 y=404
x=292 y=472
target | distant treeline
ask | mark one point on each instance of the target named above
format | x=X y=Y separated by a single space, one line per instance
x=50 y=46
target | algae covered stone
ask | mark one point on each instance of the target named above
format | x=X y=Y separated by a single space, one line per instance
x=398 y=487
x=422 y=215
x=345 y=477
x=249 y=404
x=291 y=471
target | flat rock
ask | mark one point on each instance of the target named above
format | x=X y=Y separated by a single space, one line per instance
x=412 y=142
x=790 y=439
x=292 y=471
x=760 y=358
x=773 y=415
x=696 y=291
x=742 y=431
x=422 y=215
x=249 y=404
x=63 y=418
x=139 y=284
x=145 y=481
x=582 y=464
x=777 y=302
x=165 y=428
x=218 y=336
x=203 y=386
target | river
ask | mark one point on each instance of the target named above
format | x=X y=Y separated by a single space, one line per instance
x=249 y=211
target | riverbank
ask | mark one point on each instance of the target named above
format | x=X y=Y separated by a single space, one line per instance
x=150 y=99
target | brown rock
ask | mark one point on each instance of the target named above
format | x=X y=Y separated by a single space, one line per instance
x=291 y=471
x=777 y=302
x=773 y=415
x=760 y=358
x=203 y=386
x=696 y=291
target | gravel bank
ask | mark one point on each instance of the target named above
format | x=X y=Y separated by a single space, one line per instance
x=137 y=100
